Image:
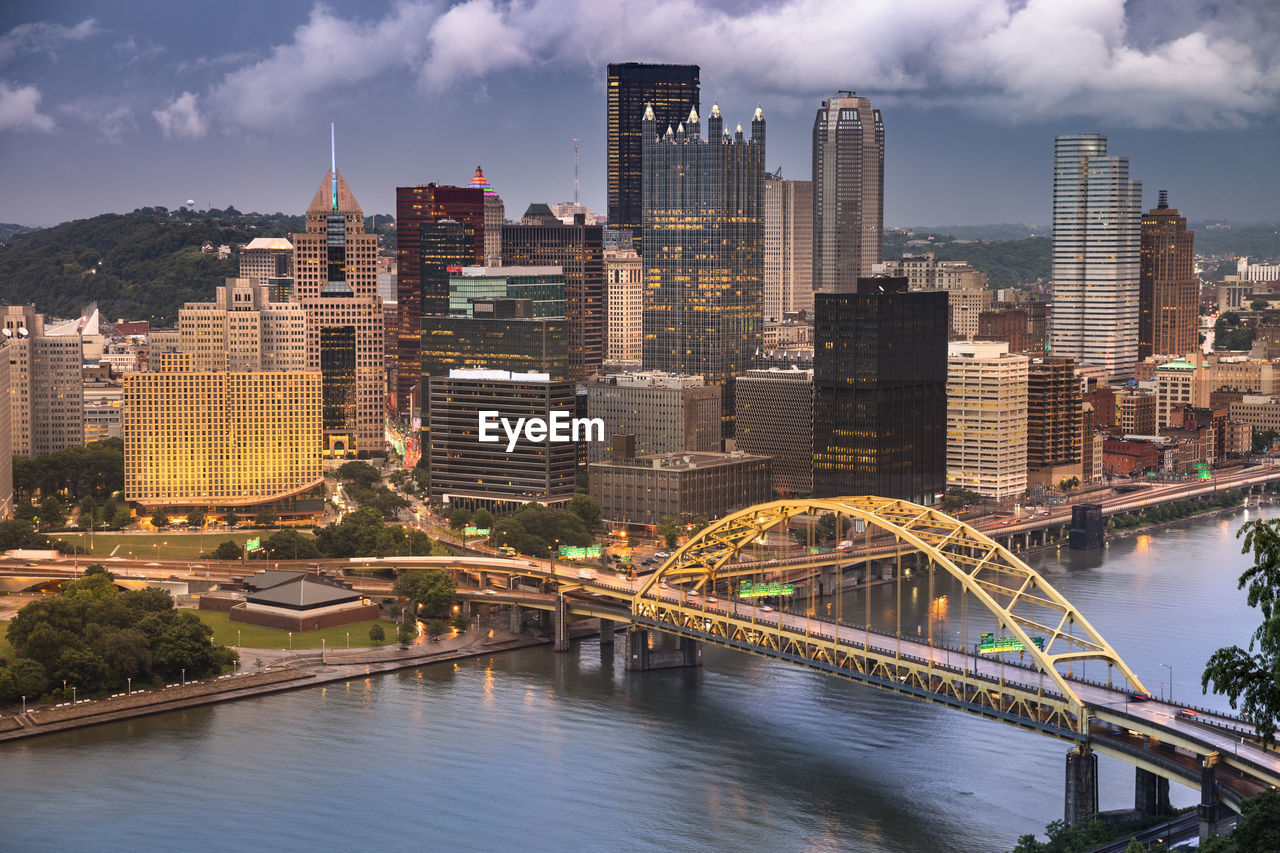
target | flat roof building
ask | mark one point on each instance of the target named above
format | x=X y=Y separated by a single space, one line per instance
x=666 y=412
x=775 y=419
x=986 y=419
x=643 y=490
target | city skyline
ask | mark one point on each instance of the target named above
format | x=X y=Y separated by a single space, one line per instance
x=109 y=111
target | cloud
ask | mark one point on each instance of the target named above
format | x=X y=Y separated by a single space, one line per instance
x=1212 y=63
x=19 y=109
x=43 y=37
x=110 y=122
x=134 y=50
x=181 y=118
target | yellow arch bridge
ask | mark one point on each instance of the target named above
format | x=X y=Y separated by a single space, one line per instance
x=700 y=595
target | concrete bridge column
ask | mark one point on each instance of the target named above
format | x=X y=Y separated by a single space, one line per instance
x=560 y=626
x=1081 y=800
x=648 y=650
x=1150 y=793
x=517 y=619
x=1026 y=540
x=1209 y=810
x=607 y=627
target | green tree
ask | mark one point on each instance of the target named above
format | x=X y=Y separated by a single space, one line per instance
x=436 y=627
x=1262 y=440
x=227 y=550
x=407 y=631
x=669 y=528
x=52 y=513
x=230 y=517
x=459 y=518
x=586 y=508
x=266 y=518
x=196 y=517
x=358 y=472
x=1135 y=846
x=23 y=677
x=377 y=636
x=430 y=592
x=160 y=519
x=1258 y=305
x=483 y=519
x=460 y=622
x=1259 y=828
x=827 y=526
x=288 y=545
x=17 y=533
x=1247 y=678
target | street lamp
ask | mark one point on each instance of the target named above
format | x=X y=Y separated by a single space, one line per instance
x=73 y=694
x=237 y=638
x=1166 y=666
x=130 y=689
x=290 y=641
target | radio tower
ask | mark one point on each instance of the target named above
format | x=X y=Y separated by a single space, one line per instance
x=575 y=170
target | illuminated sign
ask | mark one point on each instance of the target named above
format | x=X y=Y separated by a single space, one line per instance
x=471 y=530
x=747 y=589
x=253 y=544
x=990 y=644
x=576 y=552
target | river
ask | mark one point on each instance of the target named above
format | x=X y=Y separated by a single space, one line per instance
x=533 y=750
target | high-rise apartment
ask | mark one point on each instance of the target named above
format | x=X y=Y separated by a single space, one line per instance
x=788 y=248
x=1169 y=293
x=46 y=384
x=986 y=419
x=1053 y=420
x=703 y=259
x=424 y=251
x=671 y=91
x=666 y=413
x=578 y=250
x=880 y=392
x=1097 y=212
x=242 y=330
x=624 y=304
x=775 y=418
x=848 y=192
x=6 y=435
x=336 y=283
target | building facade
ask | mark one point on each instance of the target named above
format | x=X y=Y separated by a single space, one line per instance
x=643 y=490
x=1053 y=421
x=880 y=392
x=1169 y=292
x=788 y=247
x=242 y=330
x=667 y=413
x=703 y=259
x=848 y=193
x=624 y=304
x=1096 y=255
x=986 y=419
x=775 y=419
x=495 y=216
x=46 y=384
x=671 y=91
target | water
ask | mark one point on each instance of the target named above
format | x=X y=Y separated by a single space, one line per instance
x=534 y=750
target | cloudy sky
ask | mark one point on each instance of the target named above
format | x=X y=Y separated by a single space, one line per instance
x=108 y=107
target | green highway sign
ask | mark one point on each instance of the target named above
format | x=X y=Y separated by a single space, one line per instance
x=253 y=544
x=577 y=552
x=471 y=530
x=991 y=644
x=760 y=590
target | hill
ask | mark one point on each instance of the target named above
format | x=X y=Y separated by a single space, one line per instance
x=142 y=265
x=1006 y=262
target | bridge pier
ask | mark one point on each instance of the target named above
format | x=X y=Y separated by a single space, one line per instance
x=517 y=619
x=1081 y=798
x=560 y=625
x=1209 y=810
x=648 y=650
x=607 y=627
x=1150 y=793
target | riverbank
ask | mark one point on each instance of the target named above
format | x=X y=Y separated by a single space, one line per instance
x=1158 y=525
x=285 y=672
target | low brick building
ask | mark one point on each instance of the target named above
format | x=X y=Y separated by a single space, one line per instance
x=642 y=490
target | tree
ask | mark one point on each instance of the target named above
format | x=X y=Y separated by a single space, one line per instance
x=669 y=529
x=17 y=533
x=459 y=518
x=377 y=636
x=266 y=518
x=586 y=508
x=160 y=519
x=483 y=519
x=1245 y=677
x=1135 y=846
x=1259 y=828
x=227 y=550
x=230 y=517
x=430 y=592
x=358 y=472
x=436 y=627
x=52 y=513
x=23 y=677
x=196 y=517
x=1258 y=305
x=1262 y=440
x=288 y=545
x=460 y=622
x=827 y=526
x=406 y=633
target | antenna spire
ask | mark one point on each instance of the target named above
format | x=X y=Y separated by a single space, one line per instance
x=333 y=168
x=575 y=169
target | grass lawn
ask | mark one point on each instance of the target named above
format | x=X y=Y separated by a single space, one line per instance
x=257 y=637
x=173 y=546
x=6 y=650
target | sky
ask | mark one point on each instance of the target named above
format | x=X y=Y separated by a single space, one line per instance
x=110 y=107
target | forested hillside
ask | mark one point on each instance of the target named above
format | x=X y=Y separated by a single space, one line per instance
x=1006 y=262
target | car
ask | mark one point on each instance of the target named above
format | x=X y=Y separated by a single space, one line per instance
x=766 y=609
x=490 y=592
x=646 y=562
x=1135 y=696
x=663 y=585
x=693 y=593
x=585 y=575
x=711 y=599
x=663 y=554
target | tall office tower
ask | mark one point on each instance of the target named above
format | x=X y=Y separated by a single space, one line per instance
x=1053 y=421
x=494 y=218
x=578 y=250
x=703 y=250
x=6 y=435
x=880 y=392
x=1169 y=294
x=468 y=471
x=219 y=439
x=1097 y=238
x=672 y=91
x=666 y=413
x=986 y=419
x=422 y=284
x=46 y=384
x=788 y=249
x=336 y=283
x=242 y=330
x=848 y=192
x=624 y=304
x=775 y=418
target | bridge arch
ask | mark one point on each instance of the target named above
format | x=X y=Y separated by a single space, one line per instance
x=1020 y=599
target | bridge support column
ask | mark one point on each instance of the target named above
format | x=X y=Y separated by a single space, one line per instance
x=1209 y=810
x=607 y=627
x=1026 y=540
x=648 y=650
x=1150 y=793
x=560 y=626
x=1081 y=800
x=517 y=619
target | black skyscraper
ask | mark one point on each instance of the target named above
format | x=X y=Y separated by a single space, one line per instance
x=880 y=391
x=672 y=90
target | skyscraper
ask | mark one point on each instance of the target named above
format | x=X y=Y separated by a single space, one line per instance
x=880 y=392
x=703 y=258
x=46 y=384
x=671 y=90
x=421 y=282
x=1168 y=291
x=336 y=282
x=848 y=192
x=788 y=248
x=1053 y=421
x=494 y=217
x=1096 y=246
x=624 y=303
x=986 y=419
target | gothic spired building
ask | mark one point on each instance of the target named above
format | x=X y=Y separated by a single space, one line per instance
x=703 y=257
x=671 y=90
x=335 y=270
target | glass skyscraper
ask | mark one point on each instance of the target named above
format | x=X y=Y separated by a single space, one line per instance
x=1097 y=238
x=848 y=193
x=703 y=250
